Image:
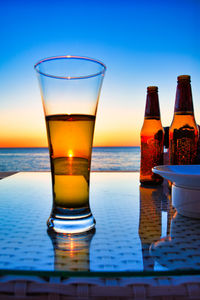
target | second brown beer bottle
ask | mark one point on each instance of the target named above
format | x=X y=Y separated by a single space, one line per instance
x=183 y=132
x=152 y=139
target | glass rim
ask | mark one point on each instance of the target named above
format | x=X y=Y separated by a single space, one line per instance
x=70 y=57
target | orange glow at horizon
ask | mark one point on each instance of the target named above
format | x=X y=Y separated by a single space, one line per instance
x=24 y=127
x=116 y=139
x=26 y=138
x=28 y=141
x=25 y=141
x=116 y=134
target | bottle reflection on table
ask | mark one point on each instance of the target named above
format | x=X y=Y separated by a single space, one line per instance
x=167 y=205
x=152 y=201
x=180 y=249
x=71 y=251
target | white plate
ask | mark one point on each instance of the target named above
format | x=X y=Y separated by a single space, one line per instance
x=181 y=175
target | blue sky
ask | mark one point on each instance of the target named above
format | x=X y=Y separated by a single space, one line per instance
x=141 y=42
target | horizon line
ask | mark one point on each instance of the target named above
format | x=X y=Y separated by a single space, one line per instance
x=47 y=147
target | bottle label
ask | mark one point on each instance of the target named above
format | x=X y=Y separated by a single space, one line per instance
x=183 y=147
x=151 y=153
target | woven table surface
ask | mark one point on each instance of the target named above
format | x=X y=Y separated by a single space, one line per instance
x=137 y=230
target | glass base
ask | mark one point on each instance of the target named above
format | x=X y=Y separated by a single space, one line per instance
x=71 y=225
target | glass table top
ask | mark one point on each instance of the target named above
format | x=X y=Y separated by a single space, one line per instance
x=138 y=233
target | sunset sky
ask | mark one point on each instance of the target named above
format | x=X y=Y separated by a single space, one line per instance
x=142 y=43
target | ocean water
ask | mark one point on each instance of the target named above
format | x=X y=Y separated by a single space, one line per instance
x=37 y=159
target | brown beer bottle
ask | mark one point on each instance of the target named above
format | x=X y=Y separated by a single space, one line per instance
x=152 y=139
x=183 y=132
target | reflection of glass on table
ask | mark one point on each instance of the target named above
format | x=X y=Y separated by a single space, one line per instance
x=71 y=252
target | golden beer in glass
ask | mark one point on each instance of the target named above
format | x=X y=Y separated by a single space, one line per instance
x=70 y=88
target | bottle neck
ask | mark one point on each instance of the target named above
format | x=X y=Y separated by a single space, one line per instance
x=183 y=102
x=152 y=109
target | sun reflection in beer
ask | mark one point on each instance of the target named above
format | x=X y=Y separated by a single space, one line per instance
x=70 y=153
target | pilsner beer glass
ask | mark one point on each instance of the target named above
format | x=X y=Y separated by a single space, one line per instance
x=70 y=89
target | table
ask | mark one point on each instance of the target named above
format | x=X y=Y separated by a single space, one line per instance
x=140 y=248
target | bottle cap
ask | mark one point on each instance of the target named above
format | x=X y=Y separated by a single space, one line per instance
x=152 y=89
x=183 y=78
